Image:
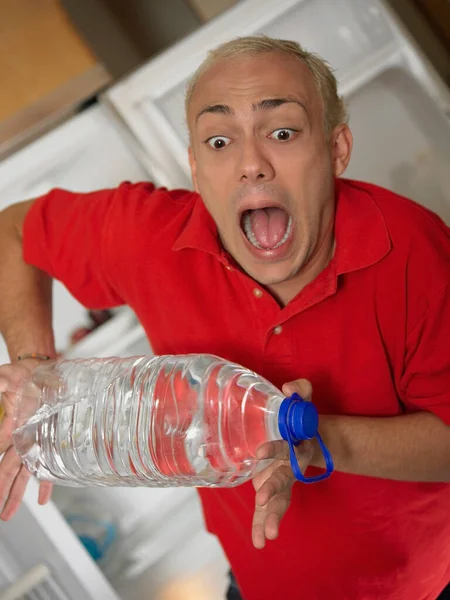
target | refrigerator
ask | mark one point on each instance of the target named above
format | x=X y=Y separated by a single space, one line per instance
x=400 y=118
x=159 y=541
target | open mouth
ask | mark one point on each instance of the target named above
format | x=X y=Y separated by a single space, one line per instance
x=266 y=228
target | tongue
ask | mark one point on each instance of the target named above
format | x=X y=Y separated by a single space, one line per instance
x=269 y=225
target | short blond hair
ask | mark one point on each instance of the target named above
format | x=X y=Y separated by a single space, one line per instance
x=334 y=109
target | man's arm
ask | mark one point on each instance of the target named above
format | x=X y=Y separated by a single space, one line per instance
x=25 y=291
x=26 y=325
x=413 y=447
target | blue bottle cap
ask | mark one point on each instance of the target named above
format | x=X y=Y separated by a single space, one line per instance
x=298 y=420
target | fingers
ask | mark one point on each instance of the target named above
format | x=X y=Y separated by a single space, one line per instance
x=278 y=449
x=258 y=529
x=267 y=517
x=16 y=494
x=4 y=435
x=45 y=492
x=266 y=526
x=302 y=387
x=6 y=427
x=304 y=453
x=273 y=487
x=14 y=478
x=7 y=400
x=274 y=517
x=12 y=376
x=9 y=469
x=279 y=482
x=276 y=452
x=4 y=384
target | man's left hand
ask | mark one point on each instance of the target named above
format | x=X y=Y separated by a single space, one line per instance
x=273 y=485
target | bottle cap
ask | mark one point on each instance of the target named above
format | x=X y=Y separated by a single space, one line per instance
x=298 y=420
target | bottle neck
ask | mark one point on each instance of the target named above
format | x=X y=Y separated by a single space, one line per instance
x=273 y=409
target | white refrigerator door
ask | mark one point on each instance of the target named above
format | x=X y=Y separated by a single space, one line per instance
x=38 y=549
x=163 y=543
x=398 y=106
x=39 y=539
x=83 y=154
x=163 y=547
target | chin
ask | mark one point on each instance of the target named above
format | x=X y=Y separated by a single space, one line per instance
x=268 y=275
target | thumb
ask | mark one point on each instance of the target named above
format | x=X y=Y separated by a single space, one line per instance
x=301 y=386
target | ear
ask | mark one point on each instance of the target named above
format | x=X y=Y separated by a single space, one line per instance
x=341 y=144
x=193 y=165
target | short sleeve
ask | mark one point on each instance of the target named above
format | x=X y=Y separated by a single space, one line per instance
x=69 y=235
x=426 y=376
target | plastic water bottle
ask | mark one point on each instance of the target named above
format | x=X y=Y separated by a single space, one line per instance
x=187 y=420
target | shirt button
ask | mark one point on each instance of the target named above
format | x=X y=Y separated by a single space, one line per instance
x=277 y=330
x=228 y=267
x=257 y=293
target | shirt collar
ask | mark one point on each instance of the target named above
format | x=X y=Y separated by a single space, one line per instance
x=362 y=237
x=200 y=231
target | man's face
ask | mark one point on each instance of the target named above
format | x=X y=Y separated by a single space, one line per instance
x=262 y=163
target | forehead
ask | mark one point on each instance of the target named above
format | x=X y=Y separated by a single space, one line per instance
x=246 y=78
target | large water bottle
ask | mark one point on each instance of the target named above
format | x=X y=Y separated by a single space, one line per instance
x=188 y=420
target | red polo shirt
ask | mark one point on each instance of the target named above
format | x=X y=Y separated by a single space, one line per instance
x=371 y=333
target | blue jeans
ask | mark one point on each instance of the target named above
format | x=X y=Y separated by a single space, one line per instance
x=445 y=594
x=233 y=592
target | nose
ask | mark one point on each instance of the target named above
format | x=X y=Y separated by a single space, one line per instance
x=254 y=166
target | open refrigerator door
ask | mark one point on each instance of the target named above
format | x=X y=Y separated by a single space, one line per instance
x=84 y=154
x=42 y=559
x=98 y=543
x=399 y=107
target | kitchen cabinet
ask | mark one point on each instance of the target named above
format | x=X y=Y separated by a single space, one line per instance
x=46 y=69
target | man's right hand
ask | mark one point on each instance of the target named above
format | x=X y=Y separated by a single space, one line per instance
x=13 y=474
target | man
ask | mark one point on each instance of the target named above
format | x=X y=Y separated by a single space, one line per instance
x=280 y=265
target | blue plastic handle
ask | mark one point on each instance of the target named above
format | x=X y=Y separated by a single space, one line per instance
x=298 y=420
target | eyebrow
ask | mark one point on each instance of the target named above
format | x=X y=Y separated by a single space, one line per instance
x=266 y=104
x=271 y=103
x=216 y=109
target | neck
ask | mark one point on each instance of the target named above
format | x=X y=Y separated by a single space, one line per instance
x=286 y=291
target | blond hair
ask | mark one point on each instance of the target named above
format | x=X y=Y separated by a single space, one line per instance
x=334 y=110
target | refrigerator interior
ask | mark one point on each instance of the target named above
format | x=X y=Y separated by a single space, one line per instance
x=399 y=108
x=161 y=541
x=162 y=548
x=405 y=148
x=38 y=539
x=84 y=154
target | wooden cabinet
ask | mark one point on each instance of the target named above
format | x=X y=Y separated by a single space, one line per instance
x=208 y=9
x=437 y=13
x=46 y=68
x=428 y=23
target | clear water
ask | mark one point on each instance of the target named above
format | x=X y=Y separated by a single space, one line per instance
x=191 y=420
